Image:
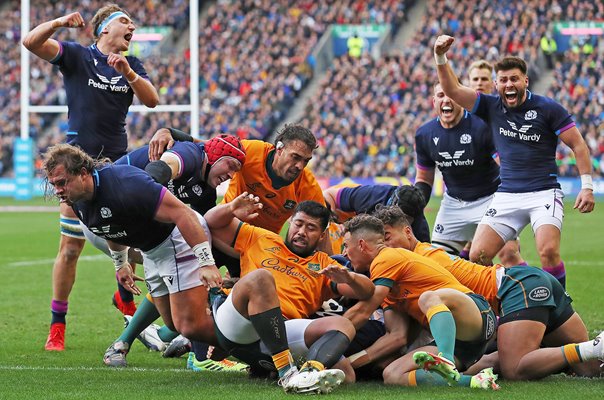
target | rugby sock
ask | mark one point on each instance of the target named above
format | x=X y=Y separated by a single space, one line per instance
x=465 y=254
x=420 y=377
x=142 y=318
x=126 y=296
x=283 y=362
x=442 y=327
x=270 y=326
x=58 y=309
x=166 y=334
x=558 y=272
x=572 y=352
x=200 y=349
x=590 y=350
x=328 y=349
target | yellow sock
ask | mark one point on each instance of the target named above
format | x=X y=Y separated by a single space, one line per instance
x=282 y=359
x=571 y=353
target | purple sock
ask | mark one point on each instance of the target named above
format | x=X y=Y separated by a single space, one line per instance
x=558 y=272
x=58 y=309
x=465 y=254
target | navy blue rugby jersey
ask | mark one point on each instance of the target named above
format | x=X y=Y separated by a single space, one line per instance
x=364 y=199
x=464 y=154
x=525 y=137
x=190 y=188
x=124 y=206
x=98 y=98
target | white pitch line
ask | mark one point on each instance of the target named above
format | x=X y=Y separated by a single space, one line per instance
x=28 y=263
x=69 y=369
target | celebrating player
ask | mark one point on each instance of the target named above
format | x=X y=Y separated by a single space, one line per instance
x=100 y=84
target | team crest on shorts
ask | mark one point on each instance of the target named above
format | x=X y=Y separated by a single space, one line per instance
x=439 y=228
x=540 y=293
x=490 y=212
x=465 y=139
x=530 y=114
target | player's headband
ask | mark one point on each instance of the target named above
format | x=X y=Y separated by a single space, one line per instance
x=112 y=17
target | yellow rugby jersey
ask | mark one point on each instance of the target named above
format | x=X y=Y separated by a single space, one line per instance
x=336 y=236
x=480 y=279
x=279 y=203
x=300 y=288
x=409 y=275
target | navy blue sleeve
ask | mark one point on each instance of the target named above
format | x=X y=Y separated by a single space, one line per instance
x=190 y=156
x=363 y=199
x=138 y=67
x=68 y=57
x=423 y=158
x=138 y=158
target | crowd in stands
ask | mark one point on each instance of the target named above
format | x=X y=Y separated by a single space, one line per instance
x=255 y=58
x=578 y=84
x=368 y=110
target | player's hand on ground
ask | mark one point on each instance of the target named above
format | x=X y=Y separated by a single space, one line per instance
x=127 y=279
x=161 y=141
x=585 y=202
x=337 y=273
x=73 y=20
x=246 y=206
x=118 y=62
x=210 y=276
x=443 y=44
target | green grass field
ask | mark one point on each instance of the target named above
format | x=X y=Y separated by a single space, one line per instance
x=28 y=243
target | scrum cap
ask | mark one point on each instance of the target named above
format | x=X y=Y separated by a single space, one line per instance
x=223 y=146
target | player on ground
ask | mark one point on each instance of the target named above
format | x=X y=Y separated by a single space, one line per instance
x=531 y=303
x=460 y=321
x=358 y=199
x=303 y=279
x=100 y=84
x=526 y=128
x=126 y=207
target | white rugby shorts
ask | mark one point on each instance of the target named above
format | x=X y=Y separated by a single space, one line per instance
x=457 y=220
x=172 y=267
x=509 y=213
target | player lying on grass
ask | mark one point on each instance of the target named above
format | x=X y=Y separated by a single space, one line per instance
x=416 y=286
x=302 y=279
x=531 y=304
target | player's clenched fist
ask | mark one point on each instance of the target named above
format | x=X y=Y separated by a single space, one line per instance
x=443 y=44
x=73 y=20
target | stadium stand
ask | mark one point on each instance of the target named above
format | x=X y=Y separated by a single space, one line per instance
x=254 y=58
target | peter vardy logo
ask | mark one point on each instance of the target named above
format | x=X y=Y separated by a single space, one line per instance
x=540 y=293
x=106 y=212
x=108 y=84
x=453 y=160
x=111 y=81
x=520 y=133
x=447 y=156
